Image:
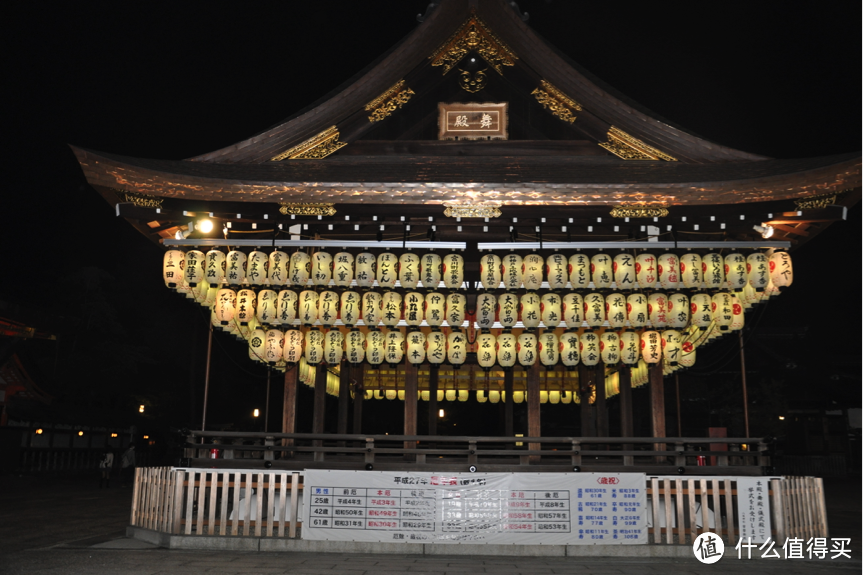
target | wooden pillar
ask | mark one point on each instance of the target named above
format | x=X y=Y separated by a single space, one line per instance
x=677 y=397
x=359 y=394
x=657 y=404
x=599 y=403
x=508 y=377
x=585 y=377
x=319 y=406
x=344 y=398
x=434 y=372
x=626 y=427
x=411 y=387
x=743 y=383
x=533 y=421
x=289 y=403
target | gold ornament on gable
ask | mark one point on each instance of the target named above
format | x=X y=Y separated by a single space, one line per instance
x=318 y=146
x=556 y=102
x=627 y=147
x=474 y=36
x=300 y=209
x=391 y=100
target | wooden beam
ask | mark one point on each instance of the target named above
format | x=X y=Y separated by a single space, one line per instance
x=508 y=377
x=626 y=427
x=411 y=387
x=319 y=406
x=599 y=404
x=534 y=427
x=434 y=372
x=344 y=398
x=584 y=393
x=657 y=403
x=289 y=403
x=359 y=394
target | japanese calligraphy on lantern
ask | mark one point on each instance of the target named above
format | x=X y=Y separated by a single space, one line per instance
x=499 y=508
x=472 y=121
x=753 y=508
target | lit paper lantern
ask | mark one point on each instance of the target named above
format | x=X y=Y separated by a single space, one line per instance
x=609 y=348
x=735 y=271
x=210 y=299
x=194 y=267
x=770 y=291
x=615 y=310
x=701 y=310
x=713 y=271
x=507 y=309
x=481 y=397
x=456 y=348
x=594 y=309
x=531 y=271
x=436 y=347
x=669 y=271
x=512 y=276
x=579 y=271
x=671 y=346
x=573 y=310
x=748 y=296
x=737 y=315
x=328 y=307
x=430 y=270
x=300 y=268
x=245 y=306
x=455 y=309
x=279 y=268
x=485 y=307
x=547 y=349
x=506 y=347
x=391 y=308
x=236 y=268
x=293 y=346
x=314 y=347
x=355 y=351
x=758 y=270
x=413 y=308
x=623 y=267
x=435 y=304
x=349 y=308
x=554 y=397
x=273 y=348
x=687 y=354
x=570 y=348
x=781 y=270
x=371 y=309
x=394 y=351
x=366 y=265
x=308 y=307
x=557 y=271
x=287 y=306
x=657 y=310
x=416 y=347
x=601 y=271
x=630 y=346
x=550 y=310
x=588 y=347
x=690 y=270
x=322 y=268
x=267 y=310
x=678 y=311
x=387 y=271
x=486 y=352
x=409 y=270
x=343 y=269
x=646 y=272
x=453 y=271
x=450 y=395
x=636 y=310
x=172 y=268
x=526 y=348
x=463 y=395
x=215 y=268
x=226 y=306
x=651 y=347
x=723 y=312
x=256 y=268
x=199 y=292
x=530 y=312
x=257 y=345
x=490 y=271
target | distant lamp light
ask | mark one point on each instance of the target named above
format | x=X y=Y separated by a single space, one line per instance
x=781 y=418
x=440 y=412
x=80 y=433
x=765 y=230
x=146 y=437
x=113 y=435
x=204 y=226
x=140 y=409
x=182 y=234
x=39 y=431
x=256 y=413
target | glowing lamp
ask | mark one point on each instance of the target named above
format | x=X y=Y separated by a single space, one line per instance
x=430 y=270
x=550 y=310
x=646 y=270
x=435 y=304
x=456 y=348
x=669 y=271
x=690 y=270
x=507 y=309
x=548 y=349
x=355 y=351
x=651 y=347
x=601 y=271
x=757 y=270
x=588 y=347
x=216 y=263
x=630 y=346
x=526 y=349
x=322 y=268
x=278 y=268
x=314 y=346
x=735 y=271
x=300 y=268
x=486 y=304
x=594 y=309
x=678 y=311
x=308 y=307
x=512 y=275
x=609 y=348
x=267 y=309
x=366 y=265
x=409 y=270
x=343 y=269
x=615 y=310
x=723 y=312
x=226 y=306
x=387 y=272
x=414 y=303
x=569 y=348
x=671 y=346
x=573 y=310
x=371 y=309
x=257 y=345
x=623 y=267
x=737 y=315
x=636 y=310
x=530 y=312
x=256 y=268
x=506 y=350
x=486 y=352
x=490 y=271
x=713 y=271
x=194 y=267
x=349 y=308
x=391 y=308
x=579 y=271
x=172 y=268
x=453 y=271
x=701 y=310
x=235 y=272
x=245 y=306
x=274 y=346
x=416 y=347
x=531 y=270
x=436 y=347
x=687 y=354
x=557 y=271
x=657 y=310
x=781 y=270
x=455 y=309
x=394 y=350
x=292 y=349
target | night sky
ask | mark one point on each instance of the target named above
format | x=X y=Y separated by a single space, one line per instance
x=175 y=80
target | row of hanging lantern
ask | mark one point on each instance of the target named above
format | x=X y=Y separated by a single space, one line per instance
x=624 y=271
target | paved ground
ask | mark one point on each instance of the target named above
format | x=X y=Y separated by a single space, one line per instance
x=68 y=526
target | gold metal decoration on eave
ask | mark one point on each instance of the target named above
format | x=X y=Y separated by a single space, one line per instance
x=315 y=148
x=639 y=211
x=388 y=102
x=816 y=202
x=625 y=146
x=472 y=211
x=140 y=200
x=473 y=35
x=472 y=83
x=556 y=101
x=295 y=209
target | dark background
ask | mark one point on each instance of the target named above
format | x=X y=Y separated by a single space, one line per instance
x=173 y=80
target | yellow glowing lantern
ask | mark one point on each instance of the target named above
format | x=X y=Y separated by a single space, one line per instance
x=507 y=309
x=526 y=348
x=308 y=307
x=486 y=304
x=630 y=346
x=287 y=306
x=413 y=308
x=278 y=268
x=300 y=268
x=737 y=315
x=530 y=313
x=531 y=271
x=723 y=312
x=588 y=348
x=548 y=349
x=579 y=271
x=456 y=348
x=758 y=270
x=322 y=268
x=245 y=306
x=210 y=299
x=256 y=268
x=267 y=310
x=543 y=396
x=409 y=270
x=669 y=271
x=215 y=268
x=646 y=270
x=387 y=270
x=371 y=308
x=314 y=346
x=609 y=347
x=623 y=267
x=735 y=271
x=573 y=310
x=570 y=348
x=701 y=310
x=343 y=269
x=671 y=346
x=770 y=291
x=273 y=348
x=453 y=271
x=199 y=293
x=678 y=311
x=225 y=307
x=615 y=310
x=557 y=271
x=566 y=397
x=416 y=347
x=687 y=354
x=354 y=349
x=394 y=351
x=450 y=394
x=651 y=347
x=550 y=309
x=512 y=276
x=328 y=307
x=594 y=309
x=349 y=308
x=172 y=268
x=435 y=304
x=781 y=270
x=506 y=349
x=490 y=271
x=257 y=344
x=748 y=296
x=455 y=309
x=690 y=270
x=713 y=271
x=430 y=270
x=601 y=271
x=194 y=267
x=657 y=310
x=481 y=396
x=366 y=266
x=391 y=308
x=486 y=352
x=436 y=347
x=235 y=272
x=636 y=310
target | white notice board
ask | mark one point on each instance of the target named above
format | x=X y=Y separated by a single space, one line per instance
x=753 y=508
x=505 y=508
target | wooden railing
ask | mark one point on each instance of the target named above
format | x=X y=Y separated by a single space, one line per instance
x=667 y=455
x=67 y=459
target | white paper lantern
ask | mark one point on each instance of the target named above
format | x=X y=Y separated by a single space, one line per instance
x=308 y=307
x=430 y=270
x=199 y=292
x=287 y=306
x=314 y=347
x=216 y=263
x=526 y=348
x=486 y=304
x=609 y=347
x=550 y=310
x=573 y=310
x=343 y=269
x=194 y=267
x=657 y=310
x=371 y=309
x=506 y=348
x=547 y=349
x=579 y=271
x=687 y=354
x=322 y=268
x=748 y=296
x=690 y=270
x=646 y=271
x=416 y=347
x=279 y=268
x=300 y=268
x=486 y=352
x=328 y=307
x=394 y=350
x=770 y=291
x=636 y=310
x=623 y=267
x=490 y=272
x=456 y=348
x=355 y=351
x=671 y=346
x=594 y=309
x=701 y=310
x=387 y=270
x=713 y=271
x=293 y=346
x=557 y=271
x=226 y=306
x=781 y=270
x=588 y=348
x=436 y=347
x=508 y=309
x=257 y=345
x=570 y=348
x=630 y=347
x=245 y=306
x=409 y=270
x=481 y=397
x=266 y=309
x=735 y=271
x=453 y=271
x=651 y=347
x=530 y=312
x=678 y=311
x=235 y=273
x=512 y=275
x=669 y=271
x=273 y=349
x=435 y=309
x=172 y=268
x=737 y=315
x=391 y=308
x=615 y=310
x=366 y=265
x=531 y=271
x=256 y=268
x=455 y=309
x=758 y=270
x=601 y=271
x=723 y=312
x=349 y=308
x=414 y=303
